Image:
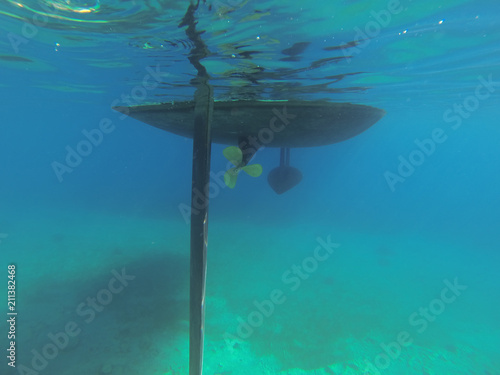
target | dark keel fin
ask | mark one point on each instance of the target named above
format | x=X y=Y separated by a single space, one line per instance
x=284 y=177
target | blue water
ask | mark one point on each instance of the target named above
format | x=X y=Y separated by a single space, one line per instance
x=383 y=260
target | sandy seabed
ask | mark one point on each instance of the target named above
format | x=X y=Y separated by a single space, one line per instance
x=108 y=294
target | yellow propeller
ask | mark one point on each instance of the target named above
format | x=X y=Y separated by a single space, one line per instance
x=235 y=156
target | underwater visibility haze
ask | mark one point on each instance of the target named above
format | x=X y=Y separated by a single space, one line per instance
x=353 y=186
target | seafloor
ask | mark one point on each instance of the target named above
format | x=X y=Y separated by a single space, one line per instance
x=389 y=304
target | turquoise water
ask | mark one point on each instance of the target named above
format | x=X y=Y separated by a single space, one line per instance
x=383 y=260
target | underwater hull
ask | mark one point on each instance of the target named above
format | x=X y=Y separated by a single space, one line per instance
x=272 y=123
